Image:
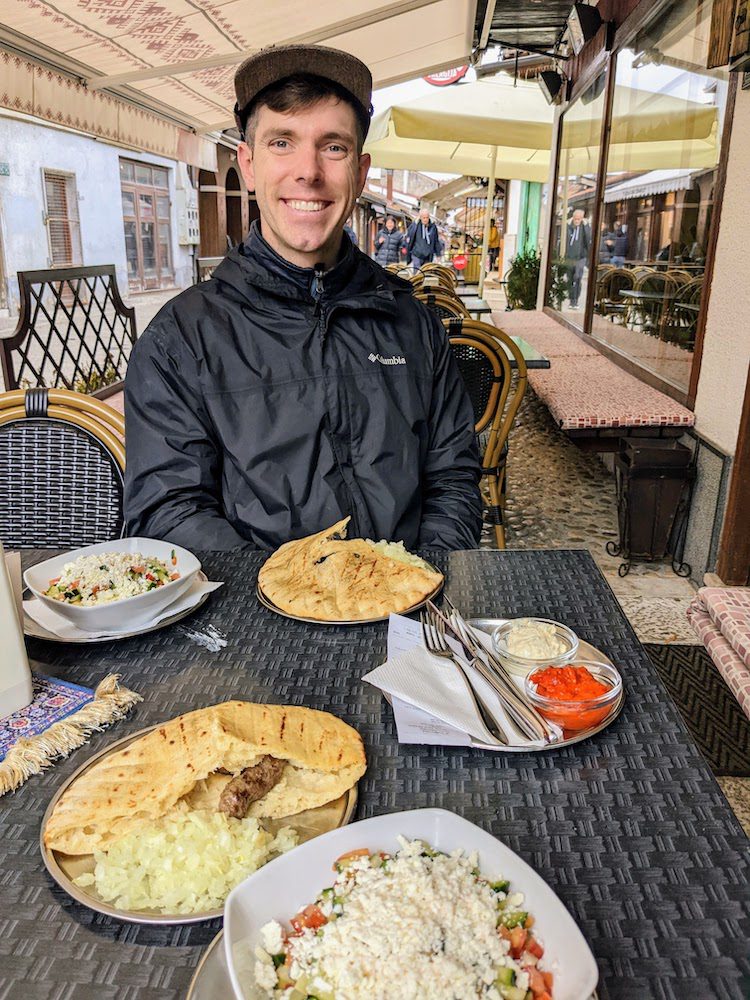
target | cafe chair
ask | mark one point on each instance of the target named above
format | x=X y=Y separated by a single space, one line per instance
x=444 y=306
x=62 y=464
x=609 y=302
x=483 y=355
x=654 y=312
x=416 y=279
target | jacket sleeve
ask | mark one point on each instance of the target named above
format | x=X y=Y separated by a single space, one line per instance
x=173 y=467
x=451 y=501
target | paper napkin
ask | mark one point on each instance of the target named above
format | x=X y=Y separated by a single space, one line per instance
x=429 y=698
x=63 y=629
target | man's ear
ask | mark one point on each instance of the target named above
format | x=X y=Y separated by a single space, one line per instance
x=364 y=165
x=246 y=164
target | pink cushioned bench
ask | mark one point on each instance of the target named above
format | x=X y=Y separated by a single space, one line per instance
x=590 y=398
x=720 y=617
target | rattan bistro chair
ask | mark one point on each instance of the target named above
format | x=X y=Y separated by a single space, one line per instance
x=482 y=354
x=444 y=306
x=62 y=463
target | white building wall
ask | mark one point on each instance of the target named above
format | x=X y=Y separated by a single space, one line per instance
x=28 y=149
x=512 y=221
x=726 y=345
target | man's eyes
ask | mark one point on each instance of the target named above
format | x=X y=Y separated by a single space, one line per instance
x=335 y=148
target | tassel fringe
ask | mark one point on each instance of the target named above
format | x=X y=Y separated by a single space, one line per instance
x=35 y=753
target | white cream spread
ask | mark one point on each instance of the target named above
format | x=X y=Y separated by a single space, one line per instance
x=534 y=640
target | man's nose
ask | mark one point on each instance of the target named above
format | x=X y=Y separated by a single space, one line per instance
x=308 y=165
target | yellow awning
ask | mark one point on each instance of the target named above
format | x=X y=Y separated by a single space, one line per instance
x=454 y=131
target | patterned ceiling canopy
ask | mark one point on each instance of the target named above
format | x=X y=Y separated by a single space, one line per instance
x=175 y=59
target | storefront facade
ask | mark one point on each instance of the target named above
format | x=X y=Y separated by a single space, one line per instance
x=638 y=259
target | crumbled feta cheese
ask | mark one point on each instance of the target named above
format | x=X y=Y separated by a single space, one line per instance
x=271 y=937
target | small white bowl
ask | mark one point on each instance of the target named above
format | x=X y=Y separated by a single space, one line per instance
x=522 y=666
x=129 y=612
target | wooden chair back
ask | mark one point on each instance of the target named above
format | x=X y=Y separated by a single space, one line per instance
x=483 y=354
x=444 y=306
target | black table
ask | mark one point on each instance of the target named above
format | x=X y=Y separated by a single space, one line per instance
x=630 y=828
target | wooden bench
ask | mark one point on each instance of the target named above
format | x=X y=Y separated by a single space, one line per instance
x=590 y=398
x=720 y=617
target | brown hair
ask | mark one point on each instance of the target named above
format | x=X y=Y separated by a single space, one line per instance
x=303 y=90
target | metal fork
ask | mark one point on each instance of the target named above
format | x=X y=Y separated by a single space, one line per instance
x=433 y=633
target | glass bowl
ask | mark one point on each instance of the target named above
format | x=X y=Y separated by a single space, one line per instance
x=577 y=714
x=522 y=666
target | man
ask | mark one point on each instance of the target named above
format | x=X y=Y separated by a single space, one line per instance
x=578 y=242
x=422 y=240
x=620 y=246
x=302 y=382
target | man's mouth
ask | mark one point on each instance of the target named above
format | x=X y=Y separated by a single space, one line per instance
x=306 y=206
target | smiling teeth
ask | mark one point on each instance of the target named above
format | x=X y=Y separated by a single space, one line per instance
x=307 y=206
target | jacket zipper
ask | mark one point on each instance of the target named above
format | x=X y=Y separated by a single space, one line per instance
x=316 y=290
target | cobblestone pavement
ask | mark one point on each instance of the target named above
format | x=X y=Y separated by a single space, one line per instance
x=562 y=497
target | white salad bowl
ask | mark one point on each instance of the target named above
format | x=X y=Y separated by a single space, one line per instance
x=128 y=612
x=282 y=887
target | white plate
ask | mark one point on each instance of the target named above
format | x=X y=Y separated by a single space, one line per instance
x=37 y=631
x=129 y=612
x=284 y=885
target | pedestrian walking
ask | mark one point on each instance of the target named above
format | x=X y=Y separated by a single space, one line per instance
x=388 y=243
x=577 y=245
x=422 y=241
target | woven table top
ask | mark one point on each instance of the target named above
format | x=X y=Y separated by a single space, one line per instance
x=629 y=828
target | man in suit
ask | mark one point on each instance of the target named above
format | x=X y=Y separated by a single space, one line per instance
x=577 y=245
x=422 y=241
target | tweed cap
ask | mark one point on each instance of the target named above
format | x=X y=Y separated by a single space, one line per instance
x=276 y=63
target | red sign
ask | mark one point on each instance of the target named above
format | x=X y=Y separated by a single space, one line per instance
x=447 y=76
x=460 y=261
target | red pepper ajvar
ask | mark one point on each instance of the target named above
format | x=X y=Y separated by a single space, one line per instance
x=570 y=684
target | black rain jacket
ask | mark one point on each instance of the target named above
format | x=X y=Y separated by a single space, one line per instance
x=270 y=401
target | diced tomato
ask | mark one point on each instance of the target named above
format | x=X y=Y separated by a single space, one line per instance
x=312 y=916
x=150 y=576
x=548 y=980
x=362 y=852
x=95 y=590
x=545 y=996
x=73 y=584
x=174 y=576
x=53 y=582
x=174 y=558
x=536 y=980
x=528 y=922
x=517 y=941
x=534 y=947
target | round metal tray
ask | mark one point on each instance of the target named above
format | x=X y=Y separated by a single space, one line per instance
x=268 y=603
x=37 y=631
x=588 y=652
x=65 y=867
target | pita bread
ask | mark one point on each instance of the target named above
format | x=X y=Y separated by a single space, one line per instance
x=329 y=579
x=175 y=767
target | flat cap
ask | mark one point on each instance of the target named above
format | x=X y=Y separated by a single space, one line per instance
x=276 y=63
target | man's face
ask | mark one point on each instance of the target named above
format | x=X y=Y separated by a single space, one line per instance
x=577 y=217
x=424 y=216
x=306 y=174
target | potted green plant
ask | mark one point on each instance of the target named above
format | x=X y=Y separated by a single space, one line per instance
x=522 y=280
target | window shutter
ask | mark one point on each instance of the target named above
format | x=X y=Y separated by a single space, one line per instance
x=62 y=219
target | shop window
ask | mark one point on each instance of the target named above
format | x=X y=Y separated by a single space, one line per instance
x=662 y=160
x=146 y=220
x=572 y=247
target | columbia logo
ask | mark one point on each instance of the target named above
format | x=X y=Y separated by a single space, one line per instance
x=395 y=360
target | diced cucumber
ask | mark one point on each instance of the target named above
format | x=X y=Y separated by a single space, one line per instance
x=502 y=886
x=506 y=977
x=512 y=993
x=516 y=919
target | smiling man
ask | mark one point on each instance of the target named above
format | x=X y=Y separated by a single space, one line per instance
x=302 y=382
